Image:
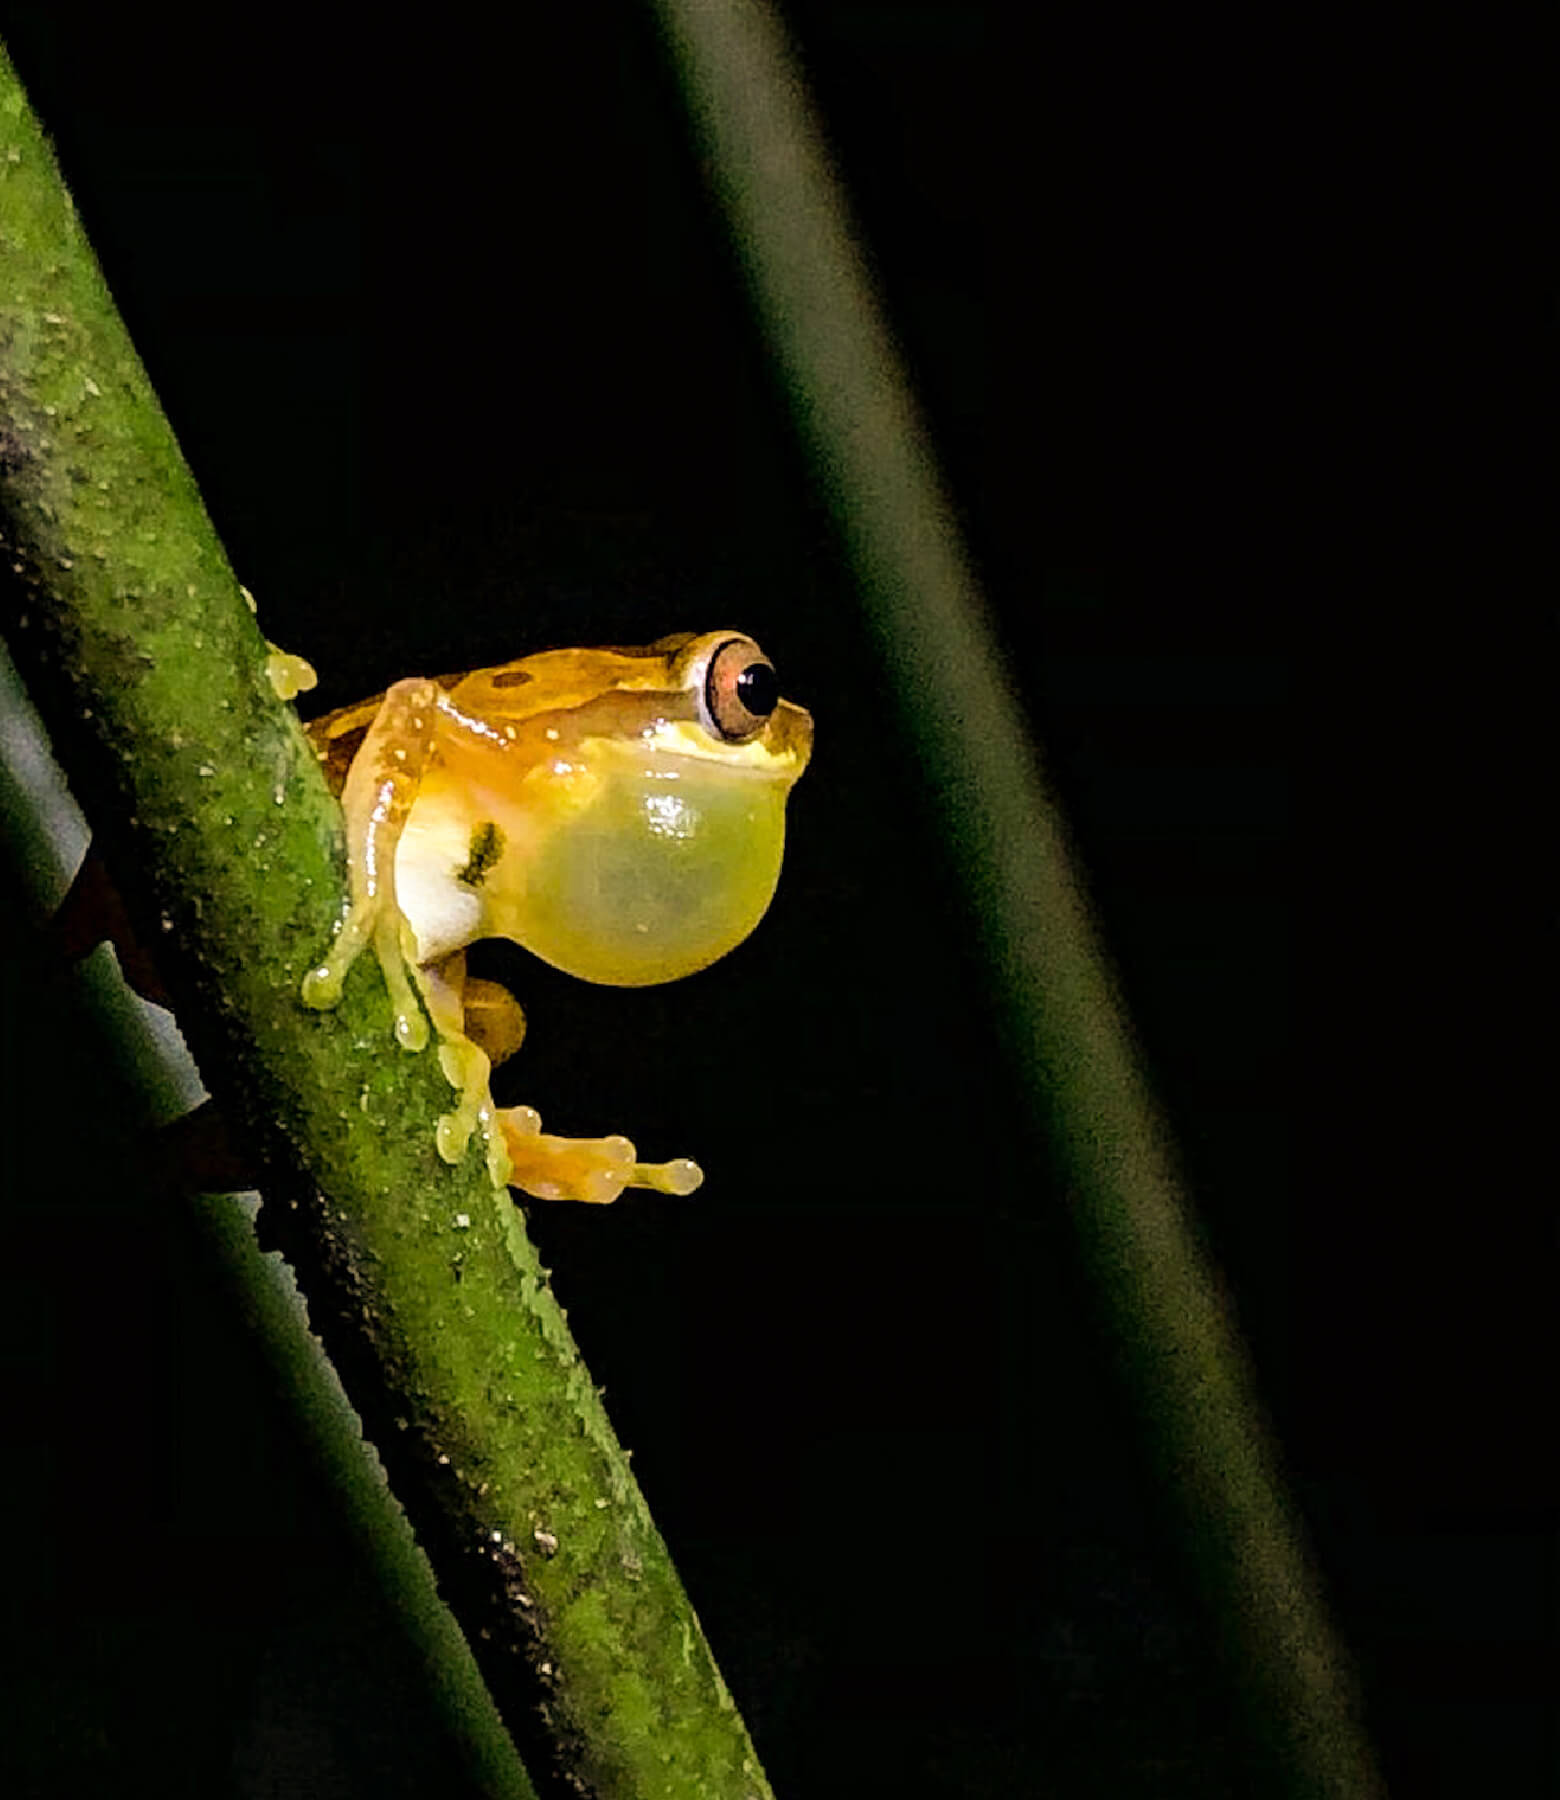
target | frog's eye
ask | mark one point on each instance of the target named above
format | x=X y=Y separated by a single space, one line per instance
x=740 y=691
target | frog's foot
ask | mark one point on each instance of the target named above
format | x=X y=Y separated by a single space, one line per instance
x=371 y=921
x=466 y=1068
x=593 y=1169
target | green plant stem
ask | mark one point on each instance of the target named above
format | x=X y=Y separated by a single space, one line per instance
x=213 y=816
x=42 y=837
x=1072 y=1040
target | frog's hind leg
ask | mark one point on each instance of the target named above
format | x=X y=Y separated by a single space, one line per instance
x=493 y=1019
x=591 y=1169
x=480 y=1024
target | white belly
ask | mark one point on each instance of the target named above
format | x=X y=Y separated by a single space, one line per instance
x=445 y=914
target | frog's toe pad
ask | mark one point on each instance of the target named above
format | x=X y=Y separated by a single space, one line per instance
x=321 y=988
x=452 y=1134
x=679 y=1176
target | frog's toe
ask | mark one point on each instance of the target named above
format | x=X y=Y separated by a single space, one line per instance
x=394 y=948
x=367 y=922
x=679 y=1176
x=452 y=1134
x=323 y=984
x=322 y=988
x=593 y=1170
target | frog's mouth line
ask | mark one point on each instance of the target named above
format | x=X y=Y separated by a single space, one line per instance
x=779 y=753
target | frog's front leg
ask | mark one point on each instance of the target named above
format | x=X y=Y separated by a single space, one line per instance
x=379 y=791
x=592 y=1169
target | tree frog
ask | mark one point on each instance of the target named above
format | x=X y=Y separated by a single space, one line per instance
x=618 y=812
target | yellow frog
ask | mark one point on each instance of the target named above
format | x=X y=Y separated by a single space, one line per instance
x=620 y=813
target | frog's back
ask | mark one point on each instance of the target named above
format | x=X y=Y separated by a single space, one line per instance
x=547 y=681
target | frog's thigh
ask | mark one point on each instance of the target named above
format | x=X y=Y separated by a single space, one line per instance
x=493 y=1019
x=592 y=1169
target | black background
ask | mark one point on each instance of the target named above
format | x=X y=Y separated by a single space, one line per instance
x=1221 y=333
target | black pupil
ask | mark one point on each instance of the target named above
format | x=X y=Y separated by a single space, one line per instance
x=758 y=690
